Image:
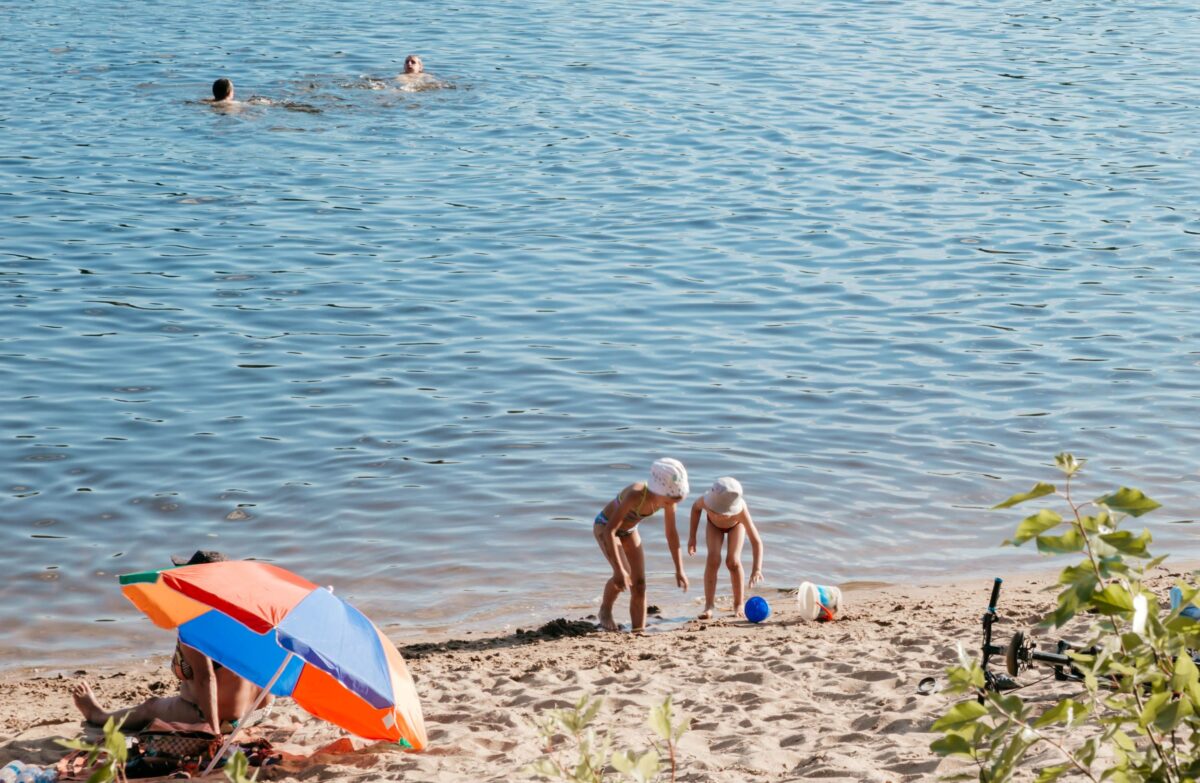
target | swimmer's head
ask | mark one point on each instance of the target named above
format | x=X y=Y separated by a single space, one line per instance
x=413 y=64
x=222 y=90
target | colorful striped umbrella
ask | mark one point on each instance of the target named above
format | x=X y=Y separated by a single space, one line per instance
x=289 y=637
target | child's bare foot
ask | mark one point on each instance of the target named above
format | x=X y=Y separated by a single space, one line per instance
x=85 y=700
x=606 y=620
x=707 y=614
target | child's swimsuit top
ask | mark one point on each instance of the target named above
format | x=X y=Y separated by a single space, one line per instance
x=635 y=515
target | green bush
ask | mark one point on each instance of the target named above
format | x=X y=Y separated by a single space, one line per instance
x=1134 y=716
x=592 y=750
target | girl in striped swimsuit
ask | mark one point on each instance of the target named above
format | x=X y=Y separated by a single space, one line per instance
x=615 y=530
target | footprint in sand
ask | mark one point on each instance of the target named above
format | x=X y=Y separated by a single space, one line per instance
x=877 y=675
x=750 y=678
x=865 y=723
x=794 y=740
x=899 y=726
x=914 y=767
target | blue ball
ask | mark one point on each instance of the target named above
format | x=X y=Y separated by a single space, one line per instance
x=757 y=609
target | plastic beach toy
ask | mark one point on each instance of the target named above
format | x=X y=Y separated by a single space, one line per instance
x=757 y=609
x=1191 y=611
x=818 y=602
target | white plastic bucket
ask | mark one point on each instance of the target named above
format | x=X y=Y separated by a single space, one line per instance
x=819 y=602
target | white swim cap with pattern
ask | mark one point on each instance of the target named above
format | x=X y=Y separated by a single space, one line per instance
x=669 y=477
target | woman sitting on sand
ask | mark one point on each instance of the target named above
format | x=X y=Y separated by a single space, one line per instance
x=209 y=694
x=615 y=530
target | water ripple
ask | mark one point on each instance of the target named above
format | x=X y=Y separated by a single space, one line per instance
x=878 y=261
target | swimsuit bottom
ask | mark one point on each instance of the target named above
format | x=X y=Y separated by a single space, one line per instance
x=603 y=520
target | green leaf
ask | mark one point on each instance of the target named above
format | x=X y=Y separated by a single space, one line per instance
x=1068 y=542
x=1034 y=526
x=647 y=765
x=543 y=767
x=1113 y=599
x=1125 y=542
x=952 y=745
x=236 y=768
x=1186 y=675
x=1040 y=490
x=1051 y=774
x=103 y=775
x=1066 y=711
x=1087 y=752
x=622 y=761
x=1070 y=600
x=1128 y=501
x=590 y=710
x=960 y=714
x=660 y=719
x=1068 y=464
x=1151 y=708
x=1173 y=714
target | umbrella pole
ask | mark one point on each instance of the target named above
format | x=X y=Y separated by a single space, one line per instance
x=258 y=702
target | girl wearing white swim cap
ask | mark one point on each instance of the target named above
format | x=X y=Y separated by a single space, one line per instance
x=728 y=517
x=615 y=530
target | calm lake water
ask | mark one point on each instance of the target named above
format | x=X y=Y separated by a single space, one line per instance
x=878 y=260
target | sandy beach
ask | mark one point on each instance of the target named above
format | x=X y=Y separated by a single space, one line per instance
x=786 y=700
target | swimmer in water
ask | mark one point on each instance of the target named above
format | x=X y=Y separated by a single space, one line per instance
x=222 y=99
x=414 y=77
x=222 y=91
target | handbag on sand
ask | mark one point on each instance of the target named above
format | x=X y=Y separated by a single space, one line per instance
x=164 y=748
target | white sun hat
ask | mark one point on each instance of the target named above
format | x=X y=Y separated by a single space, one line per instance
x=669 y=477
x=725 y=497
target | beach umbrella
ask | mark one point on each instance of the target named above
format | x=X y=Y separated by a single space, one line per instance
x=289 y=637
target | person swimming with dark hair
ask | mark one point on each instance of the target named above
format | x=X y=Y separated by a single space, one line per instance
x=222 y=90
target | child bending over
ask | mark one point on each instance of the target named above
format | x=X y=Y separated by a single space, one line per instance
x=615 y=530
x=728 y=517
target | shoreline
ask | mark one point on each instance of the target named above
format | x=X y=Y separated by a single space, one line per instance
x=678 y=609
x=778 y=701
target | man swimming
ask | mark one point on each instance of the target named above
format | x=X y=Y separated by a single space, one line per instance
x=414 y=78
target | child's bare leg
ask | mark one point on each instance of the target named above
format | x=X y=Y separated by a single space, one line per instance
x=611 y=591
x=632 y=546
x=714 y=537
x=737 y=578
x=611 y=588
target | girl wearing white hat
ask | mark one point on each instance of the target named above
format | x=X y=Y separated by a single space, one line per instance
x=615 y=530
x=728 y=515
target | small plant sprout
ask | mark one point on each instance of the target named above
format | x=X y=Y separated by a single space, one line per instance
x=110 y=753
x=590 y=761
x=237 y=767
